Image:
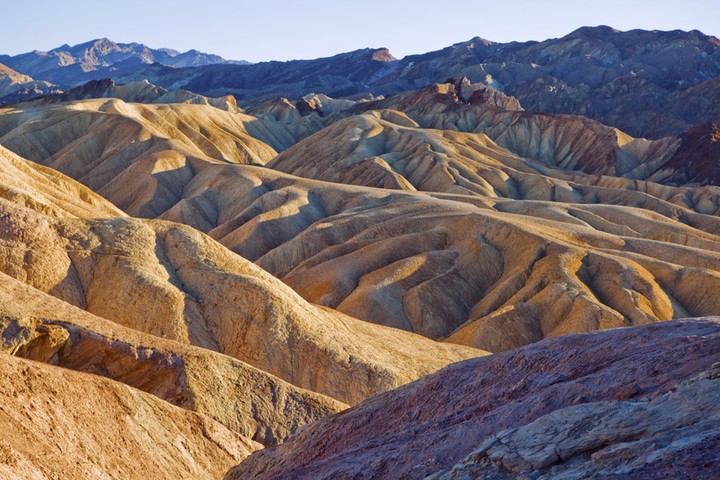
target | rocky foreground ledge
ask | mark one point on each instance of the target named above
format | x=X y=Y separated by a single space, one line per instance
x=637 y=402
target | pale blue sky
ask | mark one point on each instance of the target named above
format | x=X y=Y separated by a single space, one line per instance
x=284 y=29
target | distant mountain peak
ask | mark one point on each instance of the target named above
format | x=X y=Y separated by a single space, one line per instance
x=383 y=55
x=73 y=65
x=594 y=31
x=481 y=41
x=98 y=42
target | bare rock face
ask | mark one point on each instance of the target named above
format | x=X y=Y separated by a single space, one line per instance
x=698 y=158
x=67 y=424
x=670 y=436
x=306 y=107
x=598 y=400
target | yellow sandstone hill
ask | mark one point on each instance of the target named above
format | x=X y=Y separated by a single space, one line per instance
x=138 y=156
x=64 y=424
x=505 y=273
x=244 y=399
x=483 y=248
x=172 y=281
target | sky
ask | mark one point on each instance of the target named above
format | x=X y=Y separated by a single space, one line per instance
x=284 y=29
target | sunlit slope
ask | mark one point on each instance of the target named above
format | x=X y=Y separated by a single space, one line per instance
x=76 y=425
x=138 y=156
x=511 y=272
x=172 y=281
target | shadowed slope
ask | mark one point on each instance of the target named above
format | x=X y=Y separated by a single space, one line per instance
x=698 y=159
x=435 y=422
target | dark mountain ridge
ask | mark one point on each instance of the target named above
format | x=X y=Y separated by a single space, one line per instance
x=647 y=83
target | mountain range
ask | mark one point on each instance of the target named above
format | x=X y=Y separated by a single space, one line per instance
x=67 y=66
x=646 y=83
x=453 y=265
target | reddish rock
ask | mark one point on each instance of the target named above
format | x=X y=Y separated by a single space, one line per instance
x=431 y=424
x=697 y=161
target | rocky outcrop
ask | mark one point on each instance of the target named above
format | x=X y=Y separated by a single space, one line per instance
x=596 y=398
x=697 y=160
x=670 y=436
x=67 y=424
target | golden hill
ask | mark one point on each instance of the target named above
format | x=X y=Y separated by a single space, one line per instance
x=511 y=272
x=172 y=319
x=497 y=251
x=172 y=281
x=67 y=424
x=136 y=155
